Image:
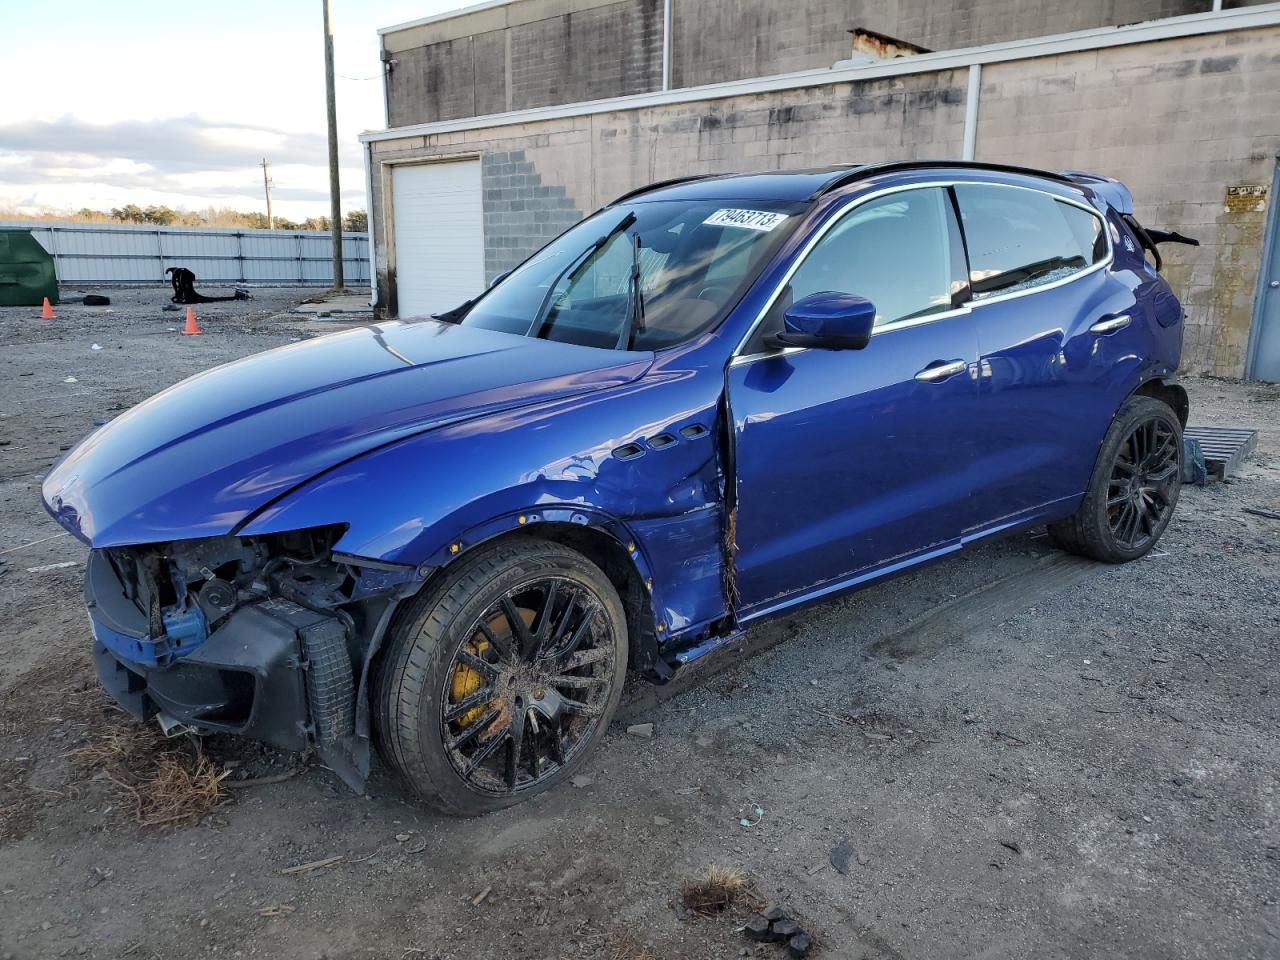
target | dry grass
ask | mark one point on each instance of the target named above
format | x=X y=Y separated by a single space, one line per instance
x=164 y=781
x=718 y=890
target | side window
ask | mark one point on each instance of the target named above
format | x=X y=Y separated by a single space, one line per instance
x=894 y=251
x=1019 y=239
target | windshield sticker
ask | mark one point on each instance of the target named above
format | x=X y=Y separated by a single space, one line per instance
x=762 y=220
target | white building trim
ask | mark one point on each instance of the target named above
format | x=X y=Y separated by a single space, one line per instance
x=971 y=111
x=1190 y=25
x=447 y=15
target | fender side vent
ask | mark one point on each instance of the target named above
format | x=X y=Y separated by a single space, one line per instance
x=693 y=431
x=628 y=451
x=661 y=440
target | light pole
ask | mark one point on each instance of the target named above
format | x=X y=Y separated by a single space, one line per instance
x=266 y=186
x=335 y=196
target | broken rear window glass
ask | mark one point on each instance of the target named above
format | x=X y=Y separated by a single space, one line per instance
x=1019 y=238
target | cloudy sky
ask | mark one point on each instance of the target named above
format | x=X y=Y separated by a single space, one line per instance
x=109 y=102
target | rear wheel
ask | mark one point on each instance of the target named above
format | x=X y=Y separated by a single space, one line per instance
x=499 y=680
x=1134 y=487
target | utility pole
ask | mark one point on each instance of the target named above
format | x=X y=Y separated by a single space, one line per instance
x=335 y=195
x=266 y=186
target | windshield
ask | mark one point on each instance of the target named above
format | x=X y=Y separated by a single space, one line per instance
x=641 y=276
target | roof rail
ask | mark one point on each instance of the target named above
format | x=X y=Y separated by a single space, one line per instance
x=674 y=181
x=869 y=169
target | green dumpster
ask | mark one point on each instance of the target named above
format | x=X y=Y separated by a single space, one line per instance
x=27 y=275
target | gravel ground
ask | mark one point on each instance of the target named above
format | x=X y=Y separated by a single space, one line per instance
x=1028 y=755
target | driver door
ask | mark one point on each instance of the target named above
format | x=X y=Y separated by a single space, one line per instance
x=852 y=462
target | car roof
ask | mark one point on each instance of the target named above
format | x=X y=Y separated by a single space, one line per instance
x=801 y=185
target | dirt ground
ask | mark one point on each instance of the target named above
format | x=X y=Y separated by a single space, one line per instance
x=1028 y=755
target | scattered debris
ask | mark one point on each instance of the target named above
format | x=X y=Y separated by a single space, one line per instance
x=582 y=780
x=1267 y=514
x=717 y=890
x=313 y=865
x=840 y=855
x=45 y=568
x=642 y=730
x=95 y=346
x=70 y=380
x=1001 y=735
x=262 y=781
x=1012 y=845
x=748 y=811
x=480 y=897
x=772 y=925
x=1225 y=448
x=277 y=910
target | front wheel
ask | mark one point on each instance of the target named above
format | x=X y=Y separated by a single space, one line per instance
x=499 y=680
x=1134 y=487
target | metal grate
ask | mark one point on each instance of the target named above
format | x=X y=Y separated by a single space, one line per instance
x=1225 y=448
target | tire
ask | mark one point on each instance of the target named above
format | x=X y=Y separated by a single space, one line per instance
x=426 y=673
x=1134 y=487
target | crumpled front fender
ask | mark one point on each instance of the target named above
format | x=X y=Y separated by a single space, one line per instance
x=430 y=498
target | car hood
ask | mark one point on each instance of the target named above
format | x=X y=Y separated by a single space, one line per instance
x=199 y=458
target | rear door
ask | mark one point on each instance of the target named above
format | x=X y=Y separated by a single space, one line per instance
x=1060 y=342
x=438 y=223
x=849 y=461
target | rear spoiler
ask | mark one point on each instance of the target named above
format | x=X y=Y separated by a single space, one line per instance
x=1118 y=197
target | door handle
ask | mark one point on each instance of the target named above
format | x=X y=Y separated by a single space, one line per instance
x=1110 y=325
x=943 y=371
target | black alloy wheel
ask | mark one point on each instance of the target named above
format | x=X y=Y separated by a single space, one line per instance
x=501 y=676
x=528 y=688
x=1143 y=485
x=1134 y=487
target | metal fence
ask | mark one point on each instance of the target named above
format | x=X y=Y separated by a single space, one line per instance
x=104 y=254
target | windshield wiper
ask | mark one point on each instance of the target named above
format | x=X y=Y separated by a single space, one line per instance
x=573 y=268
x=634 y=321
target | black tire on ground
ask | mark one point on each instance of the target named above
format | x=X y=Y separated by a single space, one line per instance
x=1134 y=487
x=416 y=679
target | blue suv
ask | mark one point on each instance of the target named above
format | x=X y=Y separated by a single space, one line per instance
x=714 y=400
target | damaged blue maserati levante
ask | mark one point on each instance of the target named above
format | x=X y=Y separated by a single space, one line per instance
x=714 y=400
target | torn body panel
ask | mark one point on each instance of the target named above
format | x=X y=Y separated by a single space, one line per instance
x=655 y=488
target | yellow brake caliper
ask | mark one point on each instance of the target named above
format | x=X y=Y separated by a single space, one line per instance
x=467 y=680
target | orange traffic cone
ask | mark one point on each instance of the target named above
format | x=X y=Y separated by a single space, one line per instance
x=192 y=329
x=46 y=312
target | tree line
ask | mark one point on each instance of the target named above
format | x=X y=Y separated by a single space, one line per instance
x=356 y=221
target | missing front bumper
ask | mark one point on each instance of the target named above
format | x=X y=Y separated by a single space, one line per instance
x=274 y=671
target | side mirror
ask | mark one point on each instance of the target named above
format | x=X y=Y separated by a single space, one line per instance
x=826 y=321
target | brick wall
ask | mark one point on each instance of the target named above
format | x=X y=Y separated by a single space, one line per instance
x=585 y=53
x=539 y=178
x=1178 y=121
x=714 y=40
x=522 y=214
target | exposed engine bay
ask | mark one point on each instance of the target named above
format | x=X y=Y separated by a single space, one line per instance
x=268 y=637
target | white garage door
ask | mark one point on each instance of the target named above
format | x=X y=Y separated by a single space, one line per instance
x=439 y=234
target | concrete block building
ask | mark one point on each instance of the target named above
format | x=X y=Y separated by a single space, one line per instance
x=511 y=120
